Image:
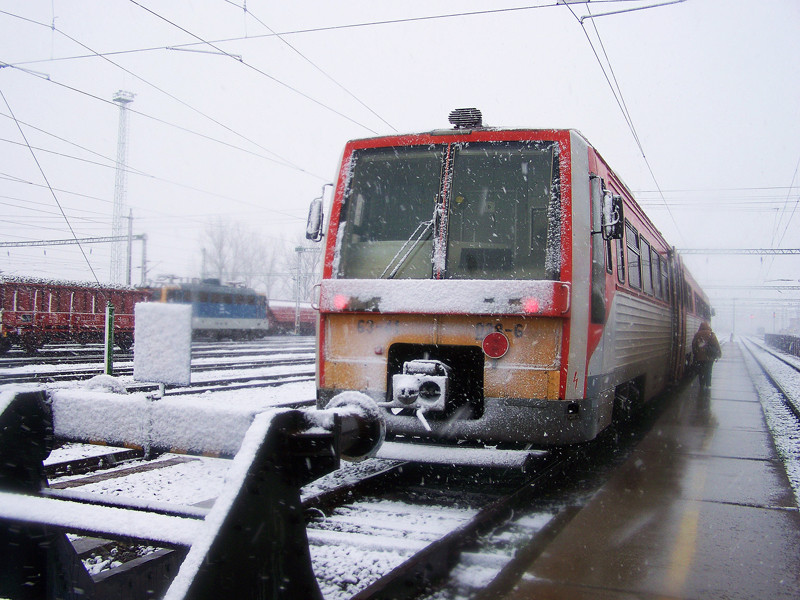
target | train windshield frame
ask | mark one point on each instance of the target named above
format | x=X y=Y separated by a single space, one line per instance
x=465 y=210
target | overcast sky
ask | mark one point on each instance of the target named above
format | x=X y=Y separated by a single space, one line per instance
x=712 y=88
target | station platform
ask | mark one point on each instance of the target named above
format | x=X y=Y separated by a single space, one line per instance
x=701 y=510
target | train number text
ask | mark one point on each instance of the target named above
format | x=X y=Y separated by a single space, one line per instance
x=484 y=329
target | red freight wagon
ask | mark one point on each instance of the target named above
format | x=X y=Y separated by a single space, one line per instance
x=36 y=311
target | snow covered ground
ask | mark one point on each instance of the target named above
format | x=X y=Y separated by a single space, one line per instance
x=201 y=479
x=783 y=424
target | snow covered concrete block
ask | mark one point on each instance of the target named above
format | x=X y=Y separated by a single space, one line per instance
x=163 y=348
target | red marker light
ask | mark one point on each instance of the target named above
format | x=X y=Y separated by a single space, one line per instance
x=531 y=305
x=495 y=345
x=340 y=302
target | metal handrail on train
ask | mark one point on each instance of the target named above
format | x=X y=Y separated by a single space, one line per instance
x=251 y=544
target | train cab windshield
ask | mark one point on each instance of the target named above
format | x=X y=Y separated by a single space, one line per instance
x=487 y=210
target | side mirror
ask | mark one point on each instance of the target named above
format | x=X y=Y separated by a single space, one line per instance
x=314 y=224
x=612 y=217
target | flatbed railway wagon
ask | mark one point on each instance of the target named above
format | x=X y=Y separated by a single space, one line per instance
x=496 y=285
x=291 y=317
x=36 y=311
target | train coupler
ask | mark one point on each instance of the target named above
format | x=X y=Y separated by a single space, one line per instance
x=423 y=386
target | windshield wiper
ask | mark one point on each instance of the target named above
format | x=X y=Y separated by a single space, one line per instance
x=426 y=227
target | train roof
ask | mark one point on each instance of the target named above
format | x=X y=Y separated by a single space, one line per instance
x=445 y=133
x=212 y=286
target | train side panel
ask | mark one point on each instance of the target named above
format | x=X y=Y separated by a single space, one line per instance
x=636 y=341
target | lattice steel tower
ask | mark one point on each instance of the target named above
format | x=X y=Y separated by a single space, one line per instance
x=119 y=248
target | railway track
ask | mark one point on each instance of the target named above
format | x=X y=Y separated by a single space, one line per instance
x=127 y=370
x=233 y=383
x=781 y=371
x=415 y=533
x=390 y=527
x=381 y=527
x=378 y=528
x=93 y=354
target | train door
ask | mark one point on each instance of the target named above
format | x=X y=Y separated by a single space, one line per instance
x=678 y=307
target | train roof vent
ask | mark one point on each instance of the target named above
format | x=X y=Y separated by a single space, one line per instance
x=463 y=118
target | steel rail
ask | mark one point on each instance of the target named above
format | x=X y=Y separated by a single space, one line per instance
x=787 y=398
x=53 y=376
x=435 y=561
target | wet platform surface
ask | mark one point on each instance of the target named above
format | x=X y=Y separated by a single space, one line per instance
x=702 y=509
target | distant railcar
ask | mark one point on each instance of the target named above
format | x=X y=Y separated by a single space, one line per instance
x=219 y=311
x=36 y=311
x=496 y=285
x=290 y=317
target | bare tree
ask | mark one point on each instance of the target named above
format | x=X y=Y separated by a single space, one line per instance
x=234 y=253
x=217 y=245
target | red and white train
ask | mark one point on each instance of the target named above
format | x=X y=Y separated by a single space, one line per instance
x=496 y=285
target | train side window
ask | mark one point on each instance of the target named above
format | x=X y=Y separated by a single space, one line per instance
x=621 y=260
x=634 y=268
x=647 y=276
x=688 y=297
x=664 y=277
x=655 y=266
x=702 y=308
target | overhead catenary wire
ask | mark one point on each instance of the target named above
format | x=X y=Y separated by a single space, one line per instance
x=619 y=98
x=52 y=192
x=143 y=174
x=162 y=214
x=256 y=69
x=779 y=218
x=322 y=29
x=161 y=90
x=627 y=10
x=310 y=62
x=794 y=208
x=175 y=126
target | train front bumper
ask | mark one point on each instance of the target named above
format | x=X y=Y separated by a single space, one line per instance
x=517 y=420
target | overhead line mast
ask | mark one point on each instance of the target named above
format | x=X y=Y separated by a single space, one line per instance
x=118 y=249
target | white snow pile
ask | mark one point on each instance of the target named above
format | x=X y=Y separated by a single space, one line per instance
x=80 y=414
x=234 y=481
x=105 y=383
x=163 y=347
